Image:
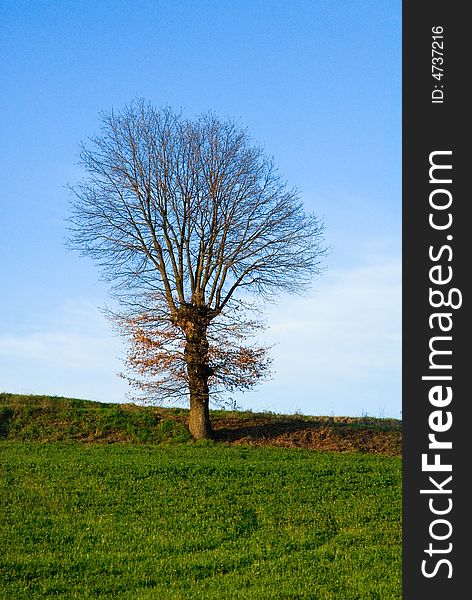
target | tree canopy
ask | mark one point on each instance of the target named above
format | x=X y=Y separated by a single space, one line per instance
x=188 y=219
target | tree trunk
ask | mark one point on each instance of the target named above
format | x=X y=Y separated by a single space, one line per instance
x=198 y=369
x=199 y=420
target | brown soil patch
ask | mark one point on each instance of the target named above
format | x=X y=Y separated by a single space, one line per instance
x=334 y=434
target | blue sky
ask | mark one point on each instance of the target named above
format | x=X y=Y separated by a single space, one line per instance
x=318 y=84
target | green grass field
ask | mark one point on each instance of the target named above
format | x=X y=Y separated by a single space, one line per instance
x=193 y=521
x=184 y=521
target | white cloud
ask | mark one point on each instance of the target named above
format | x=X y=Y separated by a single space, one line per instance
x=353 y=321
x=61 y=349
x=76 y=356
x=337 y=351
x=340 y=349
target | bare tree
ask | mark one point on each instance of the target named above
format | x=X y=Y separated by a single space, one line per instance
x=188 y=218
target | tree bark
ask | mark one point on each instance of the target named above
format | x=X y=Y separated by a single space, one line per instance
x=199 y=420
x=199 y=371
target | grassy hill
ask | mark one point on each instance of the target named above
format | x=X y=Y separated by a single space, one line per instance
x=157 y=516
x=46 y=418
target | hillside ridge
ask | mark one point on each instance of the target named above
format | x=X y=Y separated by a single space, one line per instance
x=55 y=418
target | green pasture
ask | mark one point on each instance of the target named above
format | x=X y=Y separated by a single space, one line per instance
x=197 y=521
